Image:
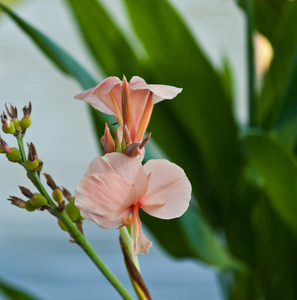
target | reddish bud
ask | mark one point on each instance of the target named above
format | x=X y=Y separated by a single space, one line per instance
x=108 y=141
x=127 y=116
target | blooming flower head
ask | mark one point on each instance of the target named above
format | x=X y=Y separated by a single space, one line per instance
x=131 y=103
x=116 y=186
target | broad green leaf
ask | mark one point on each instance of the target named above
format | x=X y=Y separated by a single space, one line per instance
x=106 y=42
x=288 y=102
x=57 y=55
x=202 y=112
x=276 y=81
x=191 y=236
x=14 y=293
x=275 y=246
x=266 y=15
x=276 y=167
x=204 y=244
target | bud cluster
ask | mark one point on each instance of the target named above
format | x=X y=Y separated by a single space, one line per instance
x=33 y=165
x=14 y=125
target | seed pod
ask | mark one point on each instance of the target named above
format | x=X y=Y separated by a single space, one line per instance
x=73 y=212
x=32 y=165
x=29 y=206
x=38 y=200
x=62 y=226
x=57 y=195
x=25 y=122
x=14 y=155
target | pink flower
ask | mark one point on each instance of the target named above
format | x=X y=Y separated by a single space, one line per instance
x=131 y=103
x=116 y=186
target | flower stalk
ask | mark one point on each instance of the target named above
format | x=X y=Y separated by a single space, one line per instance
x=74 y=232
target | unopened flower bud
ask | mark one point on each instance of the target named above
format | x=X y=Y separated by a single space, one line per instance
x=126 y=137
x=17 y=201
x=118 y=137
x=132 y=149
x=62 y=226
x=38 y=200
x=7 y=126
x=57 y=195
x=4 y=148
x=32 y=165
x=108 y=142
x=29 y=206
x=14 y=155
x=26 y=121
x=73 y=212
x=13 y=114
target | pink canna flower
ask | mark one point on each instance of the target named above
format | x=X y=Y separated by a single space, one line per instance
x=131 y=103
x=116 y=186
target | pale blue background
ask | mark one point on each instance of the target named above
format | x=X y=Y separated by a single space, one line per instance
x=34 y=253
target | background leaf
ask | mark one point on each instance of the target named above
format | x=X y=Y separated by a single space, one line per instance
x=14 y=293
x=207 y=131
x=277 y=169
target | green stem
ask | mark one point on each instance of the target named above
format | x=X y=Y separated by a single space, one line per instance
x=73 y=231
x=84 y=244
x=251 y=66
x=128 y=244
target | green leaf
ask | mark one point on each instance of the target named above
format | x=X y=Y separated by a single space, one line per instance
x=266 y=15
x=200 y=120
x=14 y=293
x=205 y=245
x=105 y=41
x=57 y=55
x=276 y=167
x=288 y=103
x=192 y=238
x=276 y=81
x=276 y=259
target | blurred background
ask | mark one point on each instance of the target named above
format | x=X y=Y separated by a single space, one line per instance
x=34 y=253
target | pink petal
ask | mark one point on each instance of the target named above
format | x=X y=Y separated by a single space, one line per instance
x=105 y=199
x=138 y=100
x=141 y=243
x=88 y=96
x=160 y=92
x=99 y=96
x=122 y=165
x=169 y=190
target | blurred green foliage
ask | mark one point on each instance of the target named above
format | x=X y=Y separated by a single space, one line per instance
x=243 y=213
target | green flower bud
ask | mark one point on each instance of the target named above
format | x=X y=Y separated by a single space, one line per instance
x=38 y=200
x=10 y=129
x=57 y=195
x=16 y=123
x=14 y=155
x=2 y=150
x=73 y=212
x=29 y=206
x=40 y=165
x=25 y=122
x=32 y=165
x=61 y=224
